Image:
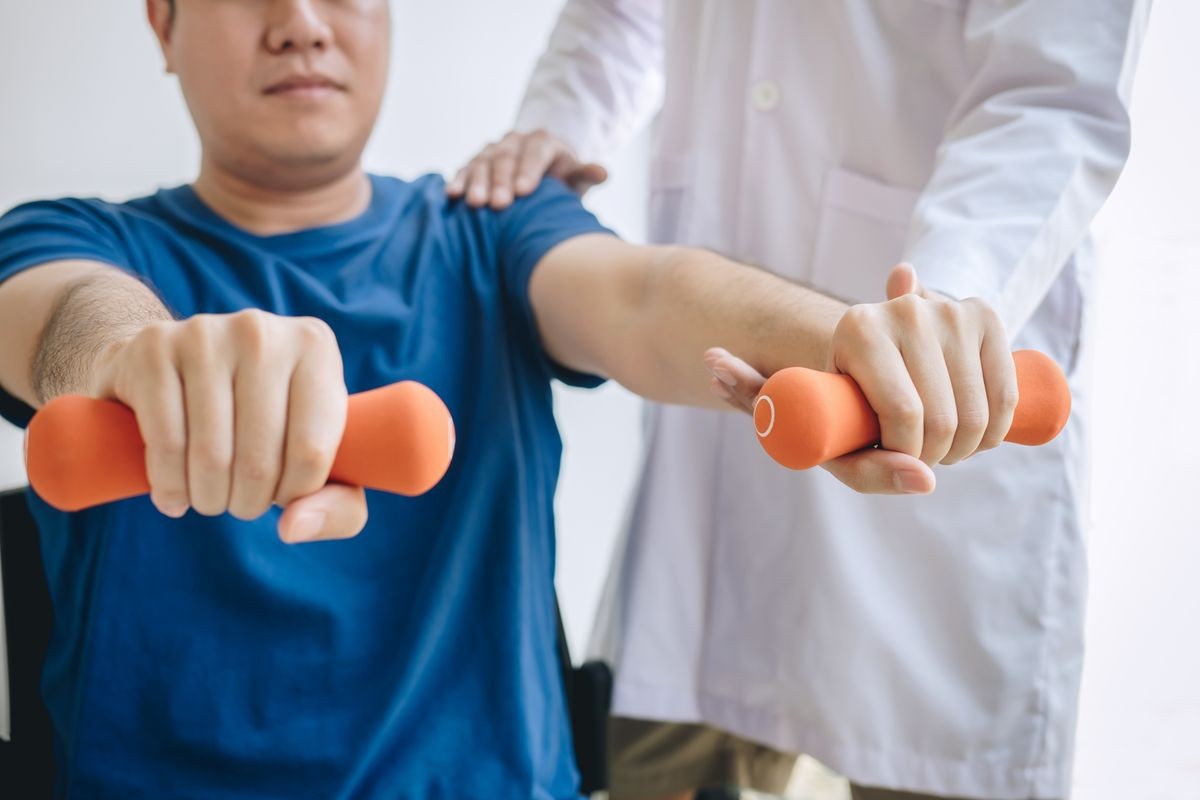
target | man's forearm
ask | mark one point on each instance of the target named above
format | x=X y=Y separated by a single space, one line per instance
x=65 y=318
x=695 y=300
x=90 y=315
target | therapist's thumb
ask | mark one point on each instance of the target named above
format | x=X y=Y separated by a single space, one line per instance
x=584 y=176
x=335 y=511
x=902 y=280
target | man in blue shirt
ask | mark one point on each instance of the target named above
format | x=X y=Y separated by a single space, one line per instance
x=196 y=653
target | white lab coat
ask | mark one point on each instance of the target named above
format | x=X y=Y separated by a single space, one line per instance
x=928 y=644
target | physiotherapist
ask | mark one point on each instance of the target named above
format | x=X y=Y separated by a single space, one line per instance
x=923 y=646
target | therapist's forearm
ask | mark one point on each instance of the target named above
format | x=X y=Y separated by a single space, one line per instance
x=695 y=300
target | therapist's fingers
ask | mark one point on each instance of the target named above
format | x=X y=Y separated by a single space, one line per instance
x=540 y=153
x=478 y=186
x=877 y=471
x=458 y=183
x=335 y=511
x=737 y=382
x=514 y=166
x=504 y=167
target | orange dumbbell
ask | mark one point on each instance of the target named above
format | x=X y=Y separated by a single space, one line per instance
x=805 y=417
x=82 y=452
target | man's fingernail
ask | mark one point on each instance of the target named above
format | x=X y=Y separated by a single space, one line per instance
x=305 y=526
x=908 y=482
x=175 y=512
x=723 y=375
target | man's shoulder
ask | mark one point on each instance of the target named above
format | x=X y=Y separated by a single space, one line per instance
x=69 y=207
x=92 y=212
x=429 y=190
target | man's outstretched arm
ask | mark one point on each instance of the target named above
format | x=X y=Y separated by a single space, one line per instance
x=63 y=317
x=238 y=411
x=937 y=372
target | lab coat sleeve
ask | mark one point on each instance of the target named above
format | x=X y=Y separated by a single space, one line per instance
x=1032 y=150
x=601 y=77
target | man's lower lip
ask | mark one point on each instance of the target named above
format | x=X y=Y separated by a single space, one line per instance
x=303 y=92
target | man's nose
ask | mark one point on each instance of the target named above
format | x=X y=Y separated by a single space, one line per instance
x=297 y=26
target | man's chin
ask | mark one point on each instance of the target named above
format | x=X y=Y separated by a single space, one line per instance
x=305 y=161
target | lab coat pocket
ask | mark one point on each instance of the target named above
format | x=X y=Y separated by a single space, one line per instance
x=860 y=235
x=670 y=181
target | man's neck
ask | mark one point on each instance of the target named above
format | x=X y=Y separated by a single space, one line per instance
x=271 y=209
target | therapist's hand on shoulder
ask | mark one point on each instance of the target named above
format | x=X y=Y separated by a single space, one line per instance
x=938 y=372
x=514 y=166
x=239 y=411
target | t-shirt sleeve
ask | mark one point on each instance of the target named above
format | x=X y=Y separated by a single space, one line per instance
x=57 y=230
x=530 y=228
x=54 y=230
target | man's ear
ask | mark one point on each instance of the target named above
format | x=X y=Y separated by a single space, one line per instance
x=158 y=12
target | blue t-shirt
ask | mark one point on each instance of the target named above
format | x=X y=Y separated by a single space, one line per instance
x=202 y=657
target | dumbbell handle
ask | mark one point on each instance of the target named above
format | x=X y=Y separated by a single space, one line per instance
x=805 y=417
x=82 y=452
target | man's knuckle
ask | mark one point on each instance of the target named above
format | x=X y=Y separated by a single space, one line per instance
x=156 y=339
x=252 y=329
x=313 y=331
x=198 y=339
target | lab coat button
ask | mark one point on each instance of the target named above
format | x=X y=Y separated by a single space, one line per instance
x=765 y=95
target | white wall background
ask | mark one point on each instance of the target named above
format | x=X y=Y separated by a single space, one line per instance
x=85 y=109
x=1139 y=727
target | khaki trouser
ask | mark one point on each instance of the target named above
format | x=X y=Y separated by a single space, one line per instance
x=649 y=760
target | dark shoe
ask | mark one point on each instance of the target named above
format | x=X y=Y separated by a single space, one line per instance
x=718 y=793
